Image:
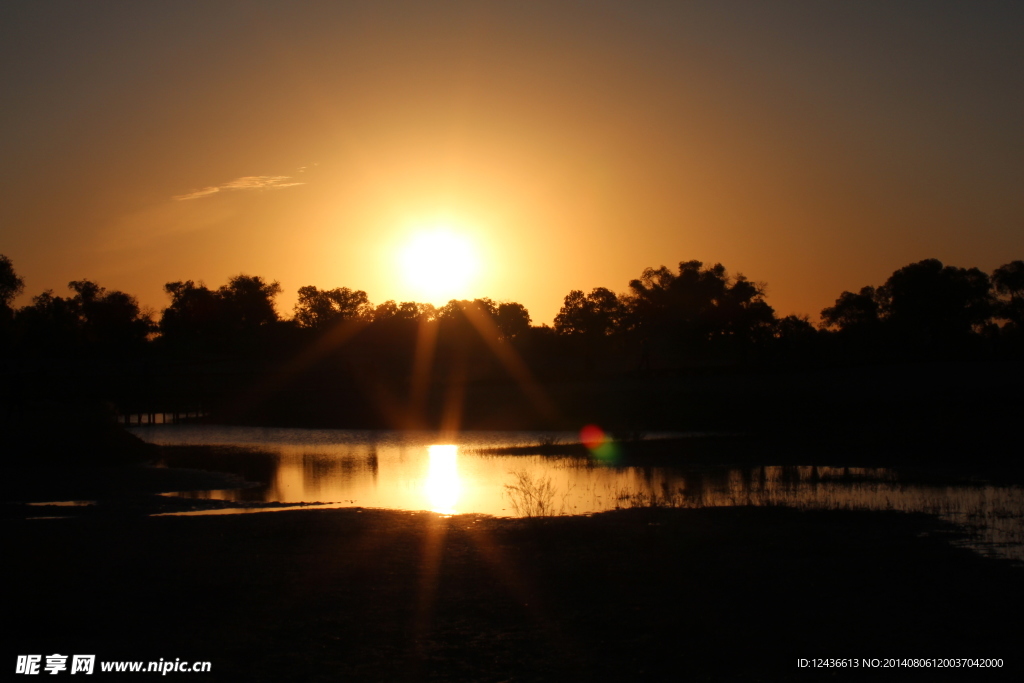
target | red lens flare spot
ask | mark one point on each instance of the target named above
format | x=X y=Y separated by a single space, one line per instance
x=592 y=436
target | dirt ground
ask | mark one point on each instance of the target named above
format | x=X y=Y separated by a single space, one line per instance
x=374 y=595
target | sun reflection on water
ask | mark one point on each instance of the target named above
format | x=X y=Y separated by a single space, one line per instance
x=442 y=485
x=407 y=473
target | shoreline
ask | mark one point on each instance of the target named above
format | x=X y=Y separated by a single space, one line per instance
x=364 y=594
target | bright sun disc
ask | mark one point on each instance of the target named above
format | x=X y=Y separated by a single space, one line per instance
x=439 y=265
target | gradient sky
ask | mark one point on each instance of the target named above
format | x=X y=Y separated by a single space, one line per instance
x=815 y=146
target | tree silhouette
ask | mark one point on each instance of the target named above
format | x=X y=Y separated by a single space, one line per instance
x=934 y=305
x=794 y=327
x=698 y=306
x=11 y=285
x=852 y=311
x=1008 y=281
x=111 y=321
x=597 y=314
x=412 y=310
x=317 y=309
x=385 y=311
x=456 y=310
x=249 y=302
x=93 y=321
x=195 y=318
x=234 y=317
x=49 y=326
x=694 y=315
x=512 y=319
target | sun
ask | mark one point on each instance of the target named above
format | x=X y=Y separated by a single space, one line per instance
x=439 y=264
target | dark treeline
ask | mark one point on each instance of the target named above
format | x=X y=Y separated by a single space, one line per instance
x=667 y=319
x=341 y=360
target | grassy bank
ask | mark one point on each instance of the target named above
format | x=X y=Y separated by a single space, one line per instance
x=370 y=595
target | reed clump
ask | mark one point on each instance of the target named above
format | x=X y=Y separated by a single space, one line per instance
x=531 y=496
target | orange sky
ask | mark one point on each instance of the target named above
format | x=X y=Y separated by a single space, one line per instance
x=811 y=146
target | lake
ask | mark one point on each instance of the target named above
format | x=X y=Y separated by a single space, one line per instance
x=418 y=471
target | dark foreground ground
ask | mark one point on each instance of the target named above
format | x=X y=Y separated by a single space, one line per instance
x=371 y=595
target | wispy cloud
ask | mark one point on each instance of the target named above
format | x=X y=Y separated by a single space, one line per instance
x=249 y=182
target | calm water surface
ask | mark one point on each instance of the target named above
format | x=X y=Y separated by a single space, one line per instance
x=414 y=471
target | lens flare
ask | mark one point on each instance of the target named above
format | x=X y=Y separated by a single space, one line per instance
x=600 y=446
x=592 y=436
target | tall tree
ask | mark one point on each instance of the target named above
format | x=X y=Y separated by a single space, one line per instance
x=852 y=311
x=111 y=321
x=93 y=321
x=11 y=284
x=1008 y=281
x=698 y=304
x=597 y=314
x=249 y=302
x=236 y=316
x=195 y=318
x=50 y=325
x=317 y=309
x=457 y=309
x=931 y=303
x=512 y=319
